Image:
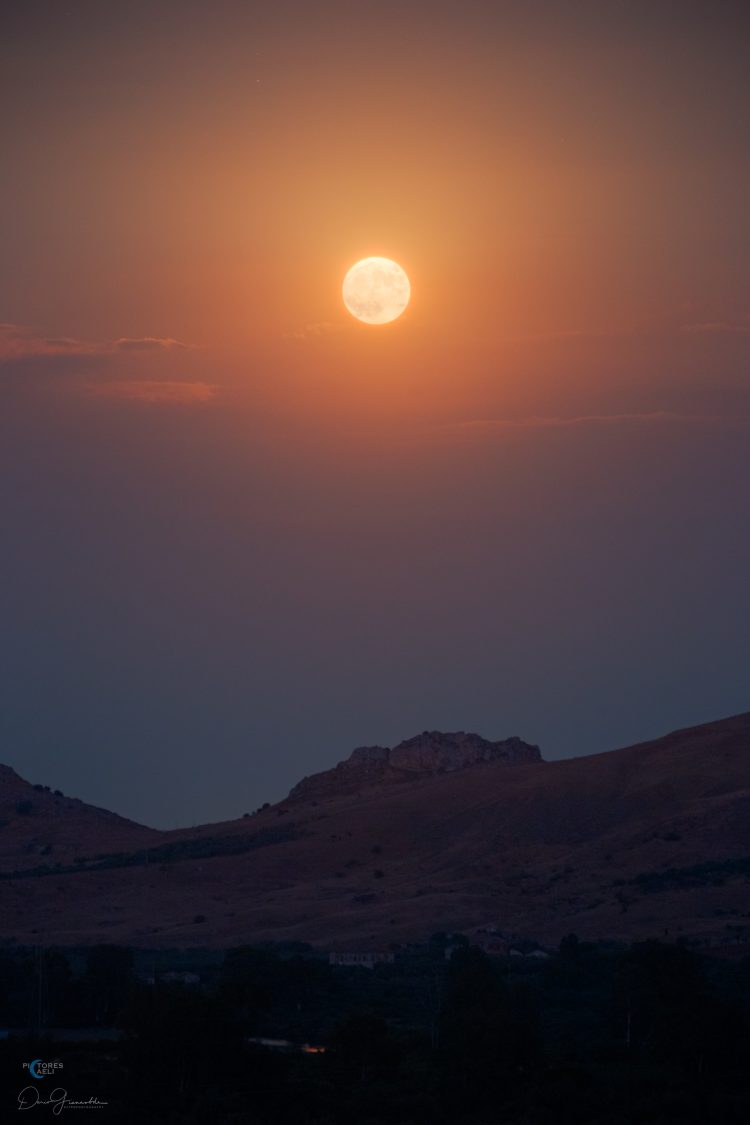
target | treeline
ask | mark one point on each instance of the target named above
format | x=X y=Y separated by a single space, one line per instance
x=651 y=1034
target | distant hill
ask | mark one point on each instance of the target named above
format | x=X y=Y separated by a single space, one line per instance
x=444 y=832
x=39 y=826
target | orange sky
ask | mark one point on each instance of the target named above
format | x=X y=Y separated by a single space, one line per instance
x=213 y=180
x=567 y=190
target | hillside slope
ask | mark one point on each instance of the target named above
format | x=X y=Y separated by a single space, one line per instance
x=649 y=840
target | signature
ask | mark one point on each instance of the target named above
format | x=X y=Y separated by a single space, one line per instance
x=58 y=1100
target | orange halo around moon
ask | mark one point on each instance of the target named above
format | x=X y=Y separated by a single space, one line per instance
x=376 y=290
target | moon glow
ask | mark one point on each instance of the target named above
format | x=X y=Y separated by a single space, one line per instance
x=376 y=290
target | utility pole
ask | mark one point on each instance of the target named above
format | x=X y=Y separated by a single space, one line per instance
x=39 y=986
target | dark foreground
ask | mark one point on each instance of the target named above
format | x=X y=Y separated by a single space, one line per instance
x=646 y=1035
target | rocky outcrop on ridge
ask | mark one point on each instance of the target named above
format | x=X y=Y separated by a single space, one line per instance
x=429 y=753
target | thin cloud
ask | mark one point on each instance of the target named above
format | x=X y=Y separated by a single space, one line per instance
x=153 y=391
x=19 y=342
x=719 y=327
x=564 y=334
x=490 y=425
x=150 y=344
x=312 y=331
x=86 y=367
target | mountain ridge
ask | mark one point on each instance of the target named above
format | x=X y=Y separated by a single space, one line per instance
x=644 y=841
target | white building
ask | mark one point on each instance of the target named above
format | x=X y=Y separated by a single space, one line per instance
x=363 y=960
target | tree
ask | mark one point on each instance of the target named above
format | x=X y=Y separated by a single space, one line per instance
x=488 y=1040
x=363 y=1046
x=109 y=981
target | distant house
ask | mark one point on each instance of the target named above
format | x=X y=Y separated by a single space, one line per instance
x=363 y=960
x=180 y=978
x=492 y=941
x=495 y=946
x=271 y=1044
x=285 y=1045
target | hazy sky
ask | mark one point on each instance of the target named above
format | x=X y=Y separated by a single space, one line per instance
x=242 y=533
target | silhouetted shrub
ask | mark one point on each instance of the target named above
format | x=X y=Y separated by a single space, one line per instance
x=710 y=873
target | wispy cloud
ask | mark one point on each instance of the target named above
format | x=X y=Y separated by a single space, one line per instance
x=719 y=327
x=93 y=369
x=150 y=344
x=19 y=342
x=312 y=331
x=153 y=391
x=654 y=417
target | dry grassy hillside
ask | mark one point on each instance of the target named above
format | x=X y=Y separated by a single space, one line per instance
x=647 y=840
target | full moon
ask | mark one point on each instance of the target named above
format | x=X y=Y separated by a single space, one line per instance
x=376 y=290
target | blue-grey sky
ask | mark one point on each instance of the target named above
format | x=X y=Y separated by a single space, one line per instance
x=242 y=534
